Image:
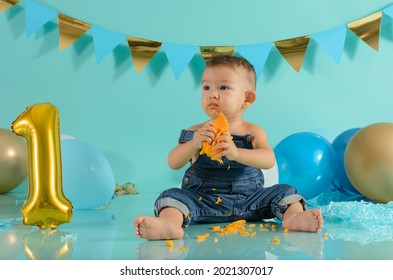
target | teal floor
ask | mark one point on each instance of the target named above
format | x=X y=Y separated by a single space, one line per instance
x=108 y=234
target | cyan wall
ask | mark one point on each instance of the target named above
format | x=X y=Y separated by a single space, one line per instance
x=135 y=119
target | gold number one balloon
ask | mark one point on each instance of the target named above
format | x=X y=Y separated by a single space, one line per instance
x=45 y=205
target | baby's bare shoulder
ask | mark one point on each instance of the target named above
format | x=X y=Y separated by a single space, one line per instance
x=253 y=128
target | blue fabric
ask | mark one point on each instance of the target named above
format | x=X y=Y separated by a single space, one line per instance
x=238 y=186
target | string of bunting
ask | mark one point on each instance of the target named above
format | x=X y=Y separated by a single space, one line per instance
x=293 y=50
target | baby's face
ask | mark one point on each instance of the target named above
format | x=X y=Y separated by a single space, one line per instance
x=224 y=89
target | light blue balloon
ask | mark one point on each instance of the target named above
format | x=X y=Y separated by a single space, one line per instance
x=88 y=180
x=306 y=161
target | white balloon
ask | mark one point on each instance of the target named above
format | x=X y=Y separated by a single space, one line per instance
x=271 y=176
x=66 y=136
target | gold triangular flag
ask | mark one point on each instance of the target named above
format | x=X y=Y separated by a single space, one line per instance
x=293 y=50
x=368 y=29
x=70 y=30
x=6 y=4
x=142 y=51
x=210 y=51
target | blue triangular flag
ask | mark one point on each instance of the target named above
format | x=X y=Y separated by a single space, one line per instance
x=179 y=56
x=105 y=41
x=388 y=11
x=332 y=41
x=37 y=14
x=256 y=54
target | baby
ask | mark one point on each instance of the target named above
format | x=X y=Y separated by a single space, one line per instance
x=231 y=188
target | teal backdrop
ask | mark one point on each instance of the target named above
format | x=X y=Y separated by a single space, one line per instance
x=134 y=119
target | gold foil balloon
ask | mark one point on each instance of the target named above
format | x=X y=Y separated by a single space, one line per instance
x=45 y=205
x=368 y=161
x=13 y=160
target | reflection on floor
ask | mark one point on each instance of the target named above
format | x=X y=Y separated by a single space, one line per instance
x=108 y=234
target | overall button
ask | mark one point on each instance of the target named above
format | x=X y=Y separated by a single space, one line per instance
x=186 y=180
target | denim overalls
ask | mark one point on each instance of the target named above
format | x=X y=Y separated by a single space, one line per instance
x=214 y=192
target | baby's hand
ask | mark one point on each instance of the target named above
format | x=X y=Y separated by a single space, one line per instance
x=204 y=134
x=227 y=146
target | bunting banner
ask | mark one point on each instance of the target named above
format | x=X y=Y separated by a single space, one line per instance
x=37 y=15
x=256 y=54
x=388 y=11
x=209 y=51
x=293 y=50
x=179 y=56
x=368 y=29
x=70 y=30
x=105 y=41
x=6 y=4
x=142 y=50
x=332 y=41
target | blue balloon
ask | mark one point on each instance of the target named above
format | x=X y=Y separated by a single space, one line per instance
x=88 y=180
x=340 y=179
x=306 y=161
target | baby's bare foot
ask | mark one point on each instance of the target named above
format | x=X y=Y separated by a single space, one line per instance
x=153 y=228
x=309 y=220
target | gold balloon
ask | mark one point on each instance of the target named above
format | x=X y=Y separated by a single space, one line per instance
x=46 y=205
x=13 y=160
x=368 y=161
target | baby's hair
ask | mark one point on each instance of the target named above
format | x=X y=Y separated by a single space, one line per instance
x=234 y=61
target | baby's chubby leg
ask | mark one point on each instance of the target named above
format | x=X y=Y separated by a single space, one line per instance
x=295 y=218
x=168 y=225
